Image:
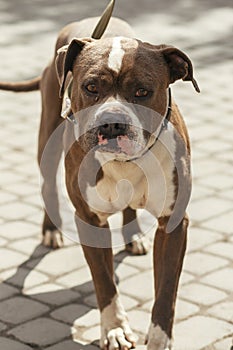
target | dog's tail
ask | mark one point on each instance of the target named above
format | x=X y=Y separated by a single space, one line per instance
x=21 y=86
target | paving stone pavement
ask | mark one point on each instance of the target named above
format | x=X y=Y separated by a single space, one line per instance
x=47 y=299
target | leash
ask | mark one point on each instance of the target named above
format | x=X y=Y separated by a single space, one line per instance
x=103 y=22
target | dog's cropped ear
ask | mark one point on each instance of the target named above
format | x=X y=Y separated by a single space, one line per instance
x=179 y=65
x=65 y=60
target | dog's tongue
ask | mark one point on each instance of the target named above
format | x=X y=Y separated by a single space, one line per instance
x=102 y=140
x=126 y=145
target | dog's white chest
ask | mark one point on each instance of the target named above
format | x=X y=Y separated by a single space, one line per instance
x=147 y=182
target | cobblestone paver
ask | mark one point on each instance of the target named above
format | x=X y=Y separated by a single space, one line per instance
x=47 y=298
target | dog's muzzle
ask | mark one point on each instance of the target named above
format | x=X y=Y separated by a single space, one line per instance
x=113 y=125
x=116 y=133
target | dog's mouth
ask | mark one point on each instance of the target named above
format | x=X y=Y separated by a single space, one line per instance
x=120 y=144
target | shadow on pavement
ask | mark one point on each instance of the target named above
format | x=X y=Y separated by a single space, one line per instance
x=47 y=298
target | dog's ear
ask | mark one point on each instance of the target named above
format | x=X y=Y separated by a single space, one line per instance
x=180 y=66
x=65 y=60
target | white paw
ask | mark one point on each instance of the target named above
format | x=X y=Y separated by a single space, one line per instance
x=157 y=339
x=118 y=338
x=52 y=239
x=115 y=329
x=139 y=245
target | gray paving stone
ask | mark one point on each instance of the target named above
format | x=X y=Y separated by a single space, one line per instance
x=220 y=223
x=35 y=200
x=142 y=262
x=128 y=302
x=16 y=276
x=3 y=242
x=124 y=271
x=7 y=274
x=28 y=246
x=222 y=310
x=199 y=192
x=139 y=320
x=199 y=332
x=76 y=278
x=139 y=287
x=147 y=306
x=7 y=291
x=221 y=279
x=7 y=197
x=91 y=300
x=223 y=249
x=74 y=312
x=186 y=277
x=217 y=181
x=16 y=210
x=34 y=278
x=201 y=294
x=9 y=344
x=223 y=344
x=89 y=319
x=10 y=258
x=71 y=345
x=9 y=177
x=18 y=229
x=19 y=309
x=199 y=238
x=93 y=333
x=53 y=294
x=62 y=261
x=185 y=309
x=2 y=327
x=200 y=263
x=41 y=332
x=202 y=210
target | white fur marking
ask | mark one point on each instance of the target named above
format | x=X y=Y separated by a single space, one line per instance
x=114 y=326
x=158 y=339
x=116 y=55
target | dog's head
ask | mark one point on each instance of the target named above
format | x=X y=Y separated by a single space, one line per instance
x=120 y=90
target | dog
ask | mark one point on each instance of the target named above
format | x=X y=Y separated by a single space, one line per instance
x=126 y=147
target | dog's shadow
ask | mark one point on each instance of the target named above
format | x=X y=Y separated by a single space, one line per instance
x=48 y=299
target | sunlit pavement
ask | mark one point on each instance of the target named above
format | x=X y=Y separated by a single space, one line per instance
x=47 y=299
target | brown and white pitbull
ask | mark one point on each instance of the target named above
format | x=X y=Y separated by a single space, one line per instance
x=127 y=148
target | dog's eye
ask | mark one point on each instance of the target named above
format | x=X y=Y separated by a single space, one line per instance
x=141 y=93
x=92 y=88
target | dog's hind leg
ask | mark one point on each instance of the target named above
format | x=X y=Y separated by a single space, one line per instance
x=49 y=154
x=136 y=242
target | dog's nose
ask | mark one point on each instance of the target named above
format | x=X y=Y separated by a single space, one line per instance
x=112 y=125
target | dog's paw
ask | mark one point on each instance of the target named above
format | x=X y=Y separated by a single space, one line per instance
x=140 y=244
x=118 y=338
x=157 y=339
x=115 y=330
x=52 y=239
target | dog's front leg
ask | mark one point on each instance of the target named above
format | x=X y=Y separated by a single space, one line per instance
x=115 y=330
x=169 y=249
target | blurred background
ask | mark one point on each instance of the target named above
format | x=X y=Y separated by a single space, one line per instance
x=203 y=28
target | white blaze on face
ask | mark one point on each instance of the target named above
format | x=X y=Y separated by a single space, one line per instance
x=116 y=55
